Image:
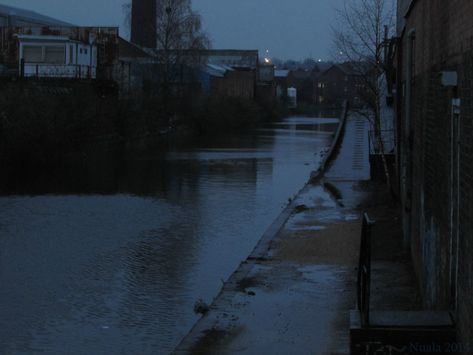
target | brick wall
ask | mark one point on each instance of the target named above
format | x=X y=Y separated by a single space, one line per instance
x=443 y=42
x=234 y=84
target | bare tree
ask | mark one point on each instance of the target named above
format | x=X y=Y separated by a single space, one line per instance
x=179 y=36
x=360 y=38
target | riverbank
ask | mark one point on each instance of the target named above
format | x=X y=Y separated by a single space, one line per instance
x=45 y=123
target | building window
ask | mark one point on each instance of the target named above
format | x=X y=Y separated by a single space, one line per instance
x=33 y=54
x=85 y=50
x=55 y=54
x=71 y=54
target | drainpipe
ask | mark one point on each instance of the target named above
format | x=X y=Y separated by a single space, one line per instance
x=450 y=79
x=407 y=173
x=90 y=61
x=22 y=68
x=410 y=41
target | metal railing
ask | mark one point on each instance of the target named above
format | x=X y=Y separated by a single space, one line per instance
x=364 y=271
x=73 y=71
x=388 y=140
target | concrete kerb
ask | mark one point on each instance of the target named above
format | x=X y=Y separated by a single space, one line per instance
x=328 y=158
x=263 y=246
x=265 y=242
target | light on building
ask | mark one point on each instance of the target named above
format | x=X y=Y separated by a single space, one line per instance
x=267 y=59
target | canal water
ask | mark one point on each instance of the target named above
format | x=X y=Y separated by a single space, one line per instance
x=110 y=258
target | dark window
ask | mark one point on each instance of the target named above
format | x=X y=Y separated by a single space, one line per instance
x=71 y=54
x=55 y=54
x=33 y=54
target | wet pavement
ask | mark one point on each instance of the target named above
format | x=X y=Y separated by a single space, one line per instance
x=294 y=294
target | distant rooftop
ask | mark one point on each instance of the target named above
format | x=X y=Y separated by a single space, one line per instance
x=43 y=38
x=217 y=70
x=21 y=17
x=281 y=73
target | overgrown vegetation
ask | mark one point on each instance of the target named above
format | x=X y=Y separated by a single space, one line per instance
x=42 y=124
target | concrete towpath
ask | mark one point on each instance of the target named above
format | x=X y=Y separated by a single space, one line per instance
x=294 y=293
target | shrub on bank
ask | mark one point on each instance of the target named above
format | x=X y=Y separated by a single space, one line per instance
x=219 y=114
x=43 y=124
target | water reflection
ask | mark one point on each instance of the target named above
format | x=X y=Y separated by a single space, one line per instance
x=110 y=257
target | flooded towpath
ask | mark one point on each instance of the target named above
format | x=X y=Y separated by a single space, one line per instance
x=294 y=295
x=110 y=259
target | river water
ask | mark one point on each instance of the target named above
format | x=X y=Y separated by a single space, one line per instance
x=110 y=259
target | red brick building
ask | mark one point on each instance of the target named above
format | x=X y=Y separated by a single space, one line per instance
x=434 y=104
x=338 y=83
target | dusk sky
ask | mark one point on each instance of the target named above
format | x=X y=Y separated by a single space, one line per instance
x=289 y=29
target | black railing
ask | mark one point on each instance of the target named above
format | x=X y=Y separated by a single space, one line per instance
x=50 y=70
x=388 y=141
x=364 y=271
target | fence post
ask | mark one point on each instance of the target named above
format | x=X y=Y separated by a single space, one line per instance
x=364 y=271
x=22 y=68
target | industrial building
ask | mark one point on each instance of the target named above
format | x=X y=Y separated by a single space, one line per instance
x=433 y=100
x=34 y=45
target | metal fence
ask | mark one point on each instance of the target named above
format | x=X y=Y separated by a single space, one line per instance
x=59 y=71
x=364 y=271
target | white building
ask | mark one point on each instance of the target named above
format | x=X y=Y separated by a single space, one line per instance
x=292 y=96
x=56 y=57
x=41 y=55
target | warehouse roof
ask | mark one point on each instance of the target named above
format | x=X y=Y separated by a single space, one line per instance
x=31 y=17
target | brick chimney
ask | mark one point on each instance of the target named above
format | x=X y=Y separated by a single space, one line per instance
x=143 y=23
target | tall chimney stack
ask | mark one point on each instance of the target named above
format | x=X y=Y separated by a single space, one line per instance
x=143 y=23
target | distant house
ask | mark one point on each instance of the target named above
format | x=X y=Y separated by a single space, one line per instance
x=339 y=83
x=303 y=81
x=266 y=73
x=56 y=56
x=282 y=84
x=222 y=80
x=266 y=85
x=227 y=72
x=34 y=45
